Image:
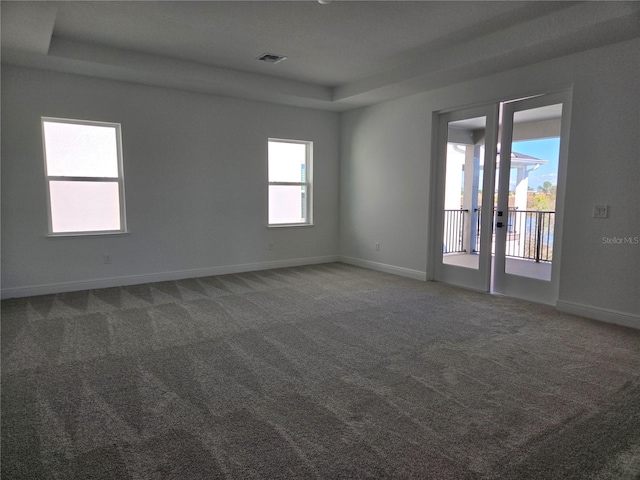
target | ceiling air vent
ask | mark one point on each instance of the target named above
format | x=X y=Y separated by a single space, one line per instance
x=271 y=58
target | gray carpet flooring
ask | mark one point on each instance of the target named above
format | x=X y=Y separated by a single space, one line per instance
x=319 y=372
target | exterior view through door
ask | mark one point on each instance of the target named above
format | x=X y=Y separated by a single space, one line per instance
x=499 y=197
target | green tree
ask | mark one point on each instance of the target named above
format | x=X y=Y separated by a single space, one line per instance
x=545 y=188
x=543 y=199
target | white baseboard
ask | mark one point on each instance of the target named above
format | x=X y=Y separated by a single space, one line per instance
x=601 y=314
x=51 y=288
x=383 y=267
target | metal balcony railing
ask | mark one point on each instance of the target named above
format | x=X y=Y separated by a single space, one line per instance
x=454 y=221
x=529 y=233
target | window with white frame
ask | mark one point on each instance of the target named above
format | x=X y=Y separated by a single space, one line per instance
x=290 y=184
x=83 y=167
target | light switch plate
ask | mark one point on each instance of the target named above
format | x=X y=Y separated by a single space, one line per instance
x=600 y=211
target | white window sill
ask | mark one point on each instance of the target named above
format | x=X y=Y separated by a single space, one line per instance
x=86 y=234
x=287 y=225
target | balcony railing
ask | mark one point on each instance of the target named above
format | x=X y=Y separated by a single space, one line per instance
x=529 y=233
x=454 y=221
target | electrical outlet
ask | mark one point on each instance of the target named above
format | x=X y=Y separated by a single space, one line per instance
x=600 y=211
x=271 y=246
x=106 y=258
x=377 y=246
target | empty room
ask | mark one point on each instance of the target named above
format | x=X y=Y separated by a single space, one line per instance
x=320 y=239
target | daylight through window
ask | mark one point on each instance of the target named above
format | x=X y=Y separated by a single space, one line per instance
x=83 y=166
x=290 y=182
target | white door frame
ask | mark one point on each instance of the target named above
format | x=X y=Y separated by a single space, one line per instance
x=484 y=278
x=480 y=278
x=518 y=286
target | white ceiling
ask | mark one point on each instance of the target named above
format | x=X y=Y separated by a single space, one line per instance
x=341 y=55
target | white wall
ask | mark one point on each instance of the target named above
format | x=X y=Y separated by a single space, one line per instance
x=385 y=184
x=195 y=171
x=195 y=179
x=385 y=175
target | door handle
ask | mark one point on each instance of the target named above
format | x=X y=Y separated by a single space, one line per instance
x=499 y=224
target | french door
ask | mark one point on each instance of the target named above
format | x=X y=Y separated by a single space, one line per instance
x=500 y=185
x=467 y=150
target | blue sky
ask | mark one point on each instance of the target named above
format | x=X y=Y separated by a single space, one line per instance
x=545 y=149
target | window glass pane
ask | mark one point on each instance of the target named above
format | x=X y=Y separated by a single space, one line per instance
x=84 y=206
x=75 y=150
x=287 y=162
x=287 y=204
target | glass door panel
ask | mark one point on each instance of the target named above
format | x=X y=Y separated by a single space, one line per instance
x=463 y=232
x=463 y=188
x=529 y=181
x=533 y=187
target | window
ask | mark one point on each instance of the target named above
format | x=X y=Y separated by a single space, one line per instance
x=290 y=199
x=83 y=167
